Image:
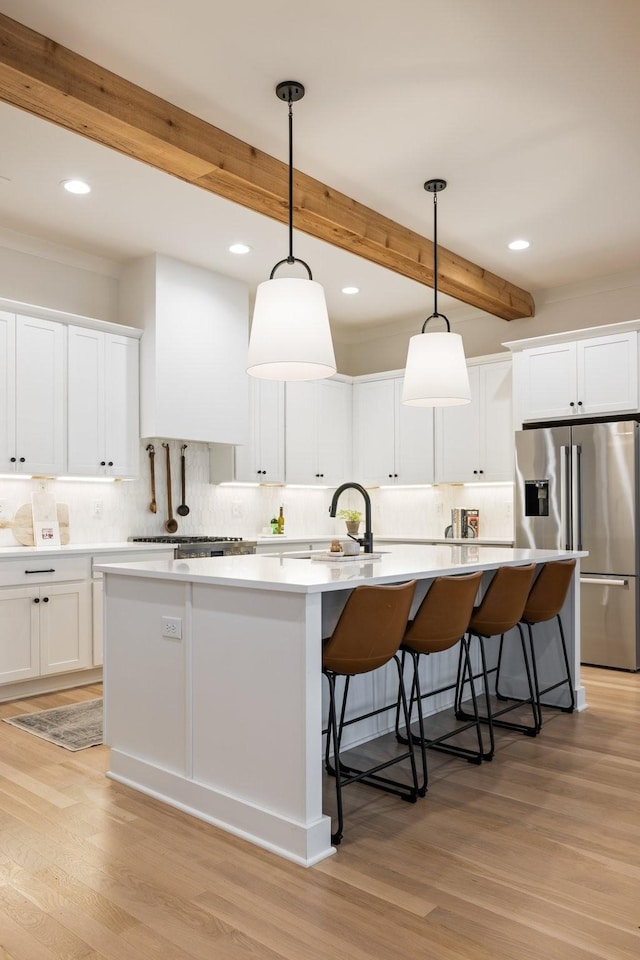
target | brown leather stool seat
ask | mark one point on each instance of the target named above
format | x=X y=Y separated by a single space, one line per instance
x=439 y=624
x=501 y=610
x=367 y=636
x=545 y=601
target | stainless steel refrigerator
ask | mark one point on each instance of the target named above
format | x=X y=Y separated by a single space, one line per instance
x=577 y=488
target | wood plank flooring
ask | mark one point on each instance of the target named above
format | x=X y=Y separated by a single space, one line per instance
x=535 y=855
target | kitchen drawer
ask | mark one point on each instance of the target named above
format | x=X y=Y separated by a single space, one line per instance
x=46 y=569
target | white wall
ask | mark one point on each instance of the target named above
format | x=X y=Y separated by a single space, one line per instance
x=47 y=275
x=607 y=300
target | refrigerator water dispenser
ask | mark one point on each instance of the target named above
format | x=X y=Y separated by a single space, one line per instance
x=536 y=498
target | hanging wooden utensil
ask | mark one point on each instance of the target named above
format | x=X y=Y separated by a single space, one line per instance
x=171 y=524
x=183 y=509
x=153 y=506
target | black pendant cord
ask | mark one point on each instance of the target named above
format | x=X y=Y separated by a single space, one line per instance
x=291 y=259
x=435 y=314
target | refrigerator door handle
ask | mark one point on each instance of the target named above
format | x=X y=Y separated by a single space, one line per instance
x=606 y=581
x=576 y=495
x=565 y=496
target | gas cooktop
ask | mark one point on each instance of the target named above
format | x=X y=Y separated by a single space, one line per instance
x=185 y=539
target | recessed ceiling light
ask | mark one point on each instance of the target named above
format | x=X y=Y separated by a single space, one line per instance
x=239 y=248
x=350 y=291
x=518 y=245
x=76 y=186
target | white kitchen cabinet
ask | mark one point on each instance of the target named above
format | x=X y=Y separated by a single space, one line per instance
x=32 y=411
x=261 y=460
x=475 y=441
x=44 y=629
x=103 y=426
x=393 y=441
x=318 y=432
x=587 y=377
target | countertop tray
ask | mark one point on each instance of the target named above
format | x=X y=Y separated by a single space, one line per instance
x=343 y=558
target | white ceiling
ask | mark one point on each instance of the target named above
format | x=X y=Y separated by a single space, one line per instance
x=529 y=110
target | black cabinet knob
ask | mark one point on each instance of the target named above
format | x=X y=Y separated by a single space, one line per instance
x=390 y=476
x=21 y=459
x=13 y=459
x=480 y=471
x=110 y=463
x=45 y=599
x=36 y=599
x=475 y=471
x=572 y=404
x=579 y=403
x=103 y=463
x=395 y=474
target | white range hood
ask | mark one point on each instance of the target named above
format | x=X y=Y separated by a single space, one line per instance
x=193 y=384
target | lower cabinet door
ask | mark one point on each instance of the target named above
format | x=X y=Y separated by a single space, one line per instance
x=19 y=634
x=65 y=627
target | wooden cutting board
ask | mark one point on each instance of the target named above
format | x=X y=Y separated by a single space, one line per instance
x=22 y=524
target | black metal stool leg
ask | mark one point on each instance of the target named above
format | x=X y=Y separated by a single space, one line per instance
x=332 y=736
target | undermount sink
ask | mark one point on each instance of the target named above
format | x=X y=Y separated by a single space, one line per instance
x=310 y=554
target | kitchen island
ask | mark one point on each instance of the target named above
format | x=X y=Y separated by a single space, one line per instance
x=213 y=684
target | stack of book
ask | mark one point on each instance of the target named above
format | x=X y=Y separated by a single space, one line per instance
x=465 y=523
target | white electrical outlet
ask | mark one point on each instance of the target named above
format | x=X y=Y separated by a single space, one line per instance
x=4 y=509
x=172 y=628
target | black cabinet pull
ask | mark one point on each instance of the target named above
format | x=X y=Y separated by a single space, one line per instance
x=45 y=599
x=390 y=476
x=572 y=404
x=480 y=471
x=103 y=463
x=21 y=459
x=579 y=403
x=110 y=463
x=36 y=599
x=13 y=459
x=50 y=570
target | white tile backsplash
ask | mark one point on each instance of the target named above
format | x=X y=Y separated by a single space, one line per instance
x=244 y=511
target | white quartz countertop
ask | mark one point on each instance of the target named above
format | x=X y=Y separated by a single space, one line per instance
x=291 y=574
x=74 y=549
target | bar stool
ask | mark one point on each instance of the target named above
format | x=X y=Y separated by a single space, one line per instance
x=501 y=610
x=439 y=624
x=367 y=636
x=545 y=601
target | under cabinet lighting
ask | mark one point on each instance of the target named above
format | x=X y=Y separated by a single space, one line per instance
x=86 y=479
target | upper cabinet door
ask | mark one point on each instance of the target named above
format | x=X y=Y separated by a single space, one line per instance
x=497 y=453
x=7 y=391
x=261 y=460
x=475 y=441
x=550 y=385
x=414 y=441
x=103 y=433
x=374 y=428
x=301 y=439
x=40 y=396
x=457 y=437
x=333 y=431
x=121 y=406
x=607 y=374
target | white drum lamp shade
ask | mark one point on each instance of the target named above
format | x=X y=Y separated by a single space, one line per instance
x=436 y=373
x=290 y=334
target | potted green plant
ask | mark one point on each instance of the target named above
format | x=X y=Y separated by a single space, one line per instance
x=353 y=519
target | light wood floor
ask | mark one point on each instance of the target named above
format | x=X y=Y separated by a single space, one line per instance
x=535 y=855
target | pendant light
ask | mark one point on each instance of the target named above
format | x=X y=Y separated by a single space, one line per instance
x=290 y=334
x=436 y=374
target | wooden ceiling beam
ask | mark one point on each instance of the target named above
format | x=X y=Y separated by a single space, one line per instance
x=56 y=84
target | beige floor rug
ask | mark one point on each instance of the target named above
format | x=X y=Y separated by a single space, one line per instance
x=74 y=727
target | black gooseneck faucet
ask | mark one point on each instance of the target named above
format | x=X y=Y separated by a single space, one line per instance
x=367 y=540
